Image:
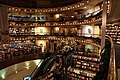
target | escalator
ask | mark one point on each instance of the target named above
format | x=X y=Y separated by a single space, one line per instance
x=46 y=66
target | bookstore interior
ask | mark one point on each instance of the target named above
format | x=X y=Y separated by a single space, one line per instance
x=59 y=39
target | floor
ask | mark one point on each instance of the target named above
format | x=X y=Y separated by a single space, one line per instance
x=19 y=71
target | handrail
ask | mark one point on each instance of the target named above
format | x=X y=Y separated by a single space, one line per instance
x=47 y=75
x=32 y=74
x=45 y=67
x=112 y=64
x=39 y=64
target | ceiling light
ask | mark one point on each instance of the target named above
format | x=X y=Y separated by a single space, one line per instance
x=112 y=24
x=27 y=67
x=85 y=7
x=72 y=16
x=16 y=71
x=2 y=74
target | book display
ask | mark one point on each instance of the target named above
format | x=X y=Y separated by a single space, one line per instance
x=113 y=32
x=86 y=65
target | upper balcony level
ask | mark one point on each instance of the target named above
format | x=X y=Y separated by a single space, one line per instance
x=70 y=16
x=62 y=21
x=83 y=15
x=76 y=6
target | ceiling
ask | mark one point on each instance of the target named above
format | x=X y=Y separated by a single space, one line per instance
x=38 y=3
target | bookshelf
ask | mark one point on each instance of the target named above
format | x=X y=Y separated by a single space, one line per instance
x=114 y=32
x=86 y=65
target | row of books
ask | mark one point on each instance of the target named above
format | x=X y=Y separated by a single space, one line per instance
x=86 y=65
x=81 y=72
x=88 y=54
x=84 y=58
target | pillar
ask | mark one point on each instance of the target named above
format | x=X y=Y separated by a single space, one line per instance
x=104 y=21
x=4 y=24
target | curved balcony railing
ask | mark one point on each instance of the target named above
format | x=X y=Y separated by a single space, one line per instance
x=16 y=51
x=58 y=9
x=69 y=33
x=19 y=18
x=11 y=59
x=84 y=40
x=85 y=20
x=112 y=64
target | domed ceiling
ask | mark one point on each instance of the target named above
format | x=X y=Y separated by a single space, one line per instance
x=38 y=3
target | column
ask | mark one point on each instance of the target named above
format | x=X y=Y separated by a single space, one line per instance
x=51 y=46
x=104 y=20
x=4 y=24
